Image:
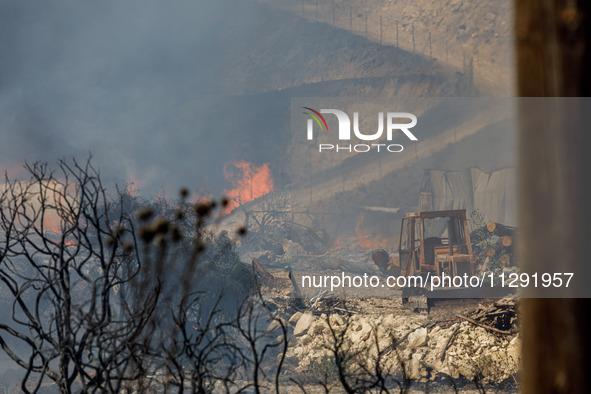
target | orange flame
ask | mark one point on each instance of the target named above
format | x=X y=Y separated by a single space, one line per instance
x=133 y=183
x=248 y=183
x=70 y=243
x=339 y=243
x=53 y=226
x=367 y=240
x=52 y=221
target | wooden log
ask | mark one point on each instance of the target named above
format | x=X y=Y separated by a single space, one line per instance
x=491 y=226
x=506 y=241
x=486 y=327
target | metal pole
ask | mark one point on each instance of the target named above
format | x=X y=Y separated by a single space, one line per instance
x=332 y=7
x=413 y=37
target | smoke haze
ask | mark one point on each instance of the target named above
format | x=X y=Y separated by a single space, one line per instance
x=137 y=84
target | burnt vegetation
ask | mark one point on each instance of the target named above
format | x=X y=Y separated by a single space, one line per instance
x=115 y=294
x=103 y=294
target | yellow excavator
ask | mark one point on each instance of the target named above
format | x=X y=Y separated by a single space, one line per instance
x=435 y=242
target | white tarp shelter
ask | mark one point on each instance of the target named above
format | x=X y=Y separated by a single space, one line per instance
x=491 y=192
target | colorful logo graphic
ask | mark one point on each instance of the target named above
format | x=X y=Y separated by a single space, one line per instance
x=388 y=124
x=315 y=116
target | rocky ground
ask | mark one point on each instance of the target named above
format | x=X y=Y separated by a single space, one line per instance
x=477 y=348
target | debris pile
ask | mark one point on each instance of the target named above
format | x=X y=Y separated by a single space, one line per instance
x=499 y=316
x=410 y=346
x=494 y=245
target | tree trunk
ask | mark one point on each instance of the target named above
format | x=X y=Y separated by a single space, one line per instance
x=552 y=40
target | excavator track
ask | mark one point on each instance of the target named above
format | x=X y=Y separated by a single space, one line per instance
x=415 y=299
x=446 y=303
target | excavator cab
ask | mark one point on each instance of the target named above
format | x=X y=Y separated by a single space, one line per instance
x=436 y=242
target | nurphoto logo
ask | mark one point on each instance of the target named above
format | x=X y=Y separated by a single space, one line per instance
x=395 y=121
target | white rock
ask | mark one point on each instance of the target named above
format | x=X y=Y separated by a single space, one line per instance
x=335 y=320
x=303 y=324
x=306 y=339
x=417 y=338
x=515 y=341
x=295 y=317
x=316 y=328
x=389 y=321
x=414 y=366
x=514 y=350
x=362 y=334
